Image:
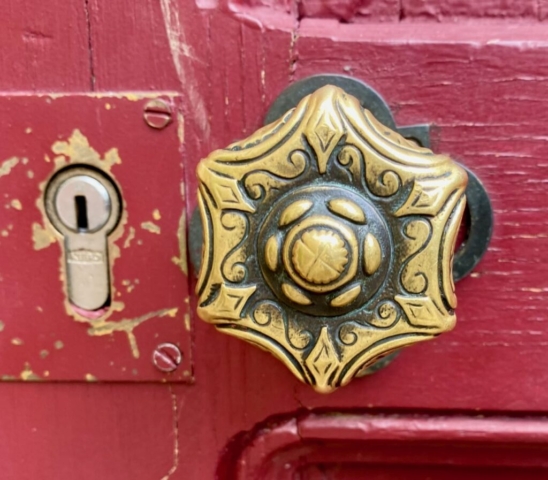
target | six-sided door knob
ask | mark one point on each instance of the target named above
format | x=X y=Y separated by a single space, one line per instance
x=328 y=239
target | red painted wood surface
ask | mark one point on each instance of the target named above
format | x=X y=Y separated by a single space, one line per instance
x=481 y=82
x=359 y=11
x=392 y=446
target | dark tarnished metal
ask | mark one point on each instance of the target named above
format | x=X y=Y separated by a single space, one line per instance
x=480 y=228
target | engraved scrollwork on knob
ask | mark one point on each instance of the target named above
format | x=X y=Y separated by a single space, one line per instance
x=328 y=239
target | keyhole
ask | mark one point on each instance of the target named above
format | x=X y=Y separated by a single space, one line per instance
x=81 y=207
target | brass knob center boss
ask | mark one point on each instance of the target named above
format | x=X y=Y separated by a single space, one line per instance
x=328 y=239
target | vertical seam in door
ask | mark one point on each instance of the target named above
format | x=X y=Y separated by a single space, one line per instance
x=90 y=46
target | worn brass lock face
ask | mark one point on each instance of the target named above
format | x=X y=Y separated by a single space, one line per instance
x=329 y=239
x=84 y=206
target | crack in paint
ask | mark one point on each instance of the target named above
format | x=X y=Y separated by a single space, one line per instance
x=175 y=411
x=90 y=45
x=293 y=53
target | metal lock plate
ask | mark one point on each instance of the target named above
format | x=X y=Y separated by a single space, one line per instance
x=102 y=148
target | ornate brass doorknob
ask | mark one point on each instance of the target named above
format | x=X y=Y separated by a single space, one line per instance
x=328 y=239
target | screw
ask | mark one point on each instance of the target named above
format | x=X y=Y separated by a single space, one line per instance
x=157 y=113
x=167 y=357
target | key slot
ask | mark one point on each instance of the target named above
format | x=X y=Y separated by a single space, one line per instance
x=81 y=208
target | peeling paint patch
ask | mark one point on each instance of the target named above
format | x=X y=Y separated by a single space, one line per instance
x=15 y=203
x=129 y=238
x=187 y=322
x=7 y=166
x=28 y=375
x=90 y=378
x=156 y=214
x=17 y=341
x=30 y=174
x=44 y=353
x=77 y=150
x=128 y=325
x=2 y=326
x=130 y=286
x=41 y=237
x=151 y=227
x=132 y=97
x=181 y=261
x=58 y=345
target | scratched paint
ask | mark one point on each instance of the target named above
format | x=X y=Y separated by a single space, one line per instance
x=128 y=325
x=182 y=234
x=183 y=62
x=129 y=238
x=181 y=261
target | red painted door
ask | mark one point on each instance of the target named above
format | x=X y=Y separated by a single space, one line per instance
x=145 y=89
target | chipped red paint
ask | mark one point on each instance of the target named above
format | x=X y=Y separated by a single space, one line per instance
x=482 y=83
x=40 y=338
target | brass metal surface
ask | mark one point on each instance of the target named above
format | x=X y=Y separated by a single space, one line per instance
x=329 y=239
